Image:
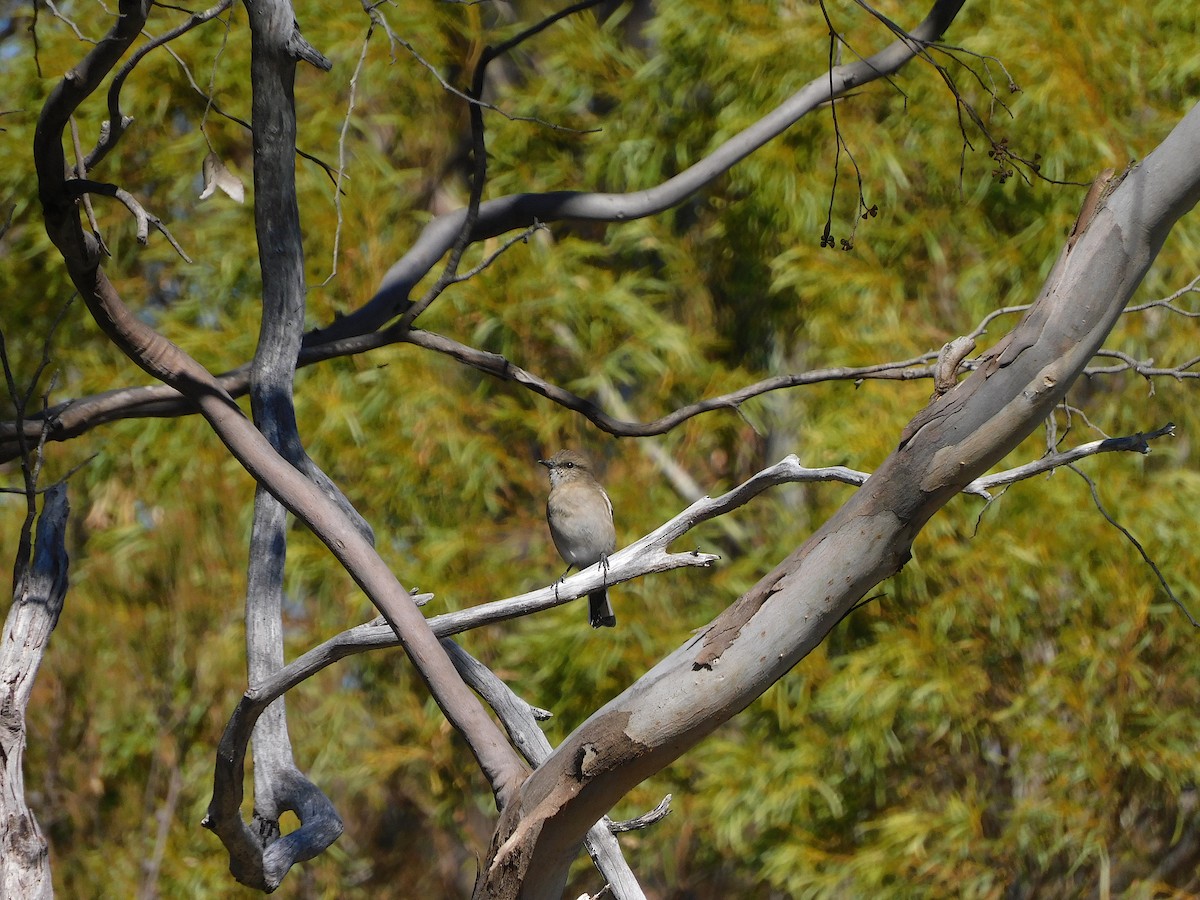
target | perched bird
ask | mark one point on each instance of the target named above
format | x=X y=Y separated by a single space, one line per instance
x=581 y=523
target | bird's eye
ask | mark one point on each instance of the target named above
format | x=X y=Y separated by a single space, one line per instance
x=570 y=465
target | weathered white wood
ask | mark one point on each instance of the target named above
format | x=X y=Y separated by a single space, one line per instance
x=37 y=602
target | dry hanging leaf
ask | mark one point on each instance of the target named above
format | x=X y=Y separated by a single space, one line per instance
x=216 y=175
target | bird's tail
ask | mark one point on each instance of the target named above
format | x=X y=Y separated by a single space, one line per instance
x=600 y=611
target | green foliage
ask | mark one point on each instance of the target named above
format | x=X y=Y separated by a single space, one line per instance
x=1015 y=711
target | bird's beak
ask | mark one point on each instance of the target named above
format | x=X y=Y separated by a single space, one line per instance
x=544 y=462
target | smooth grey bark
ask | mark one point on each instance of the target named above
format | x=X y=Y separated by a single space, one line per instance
x=766 y=632
x=37 y=601
x=527 y=736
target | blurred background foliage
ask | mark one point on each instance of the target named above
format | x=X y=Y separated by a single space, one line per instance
x=1013 y=716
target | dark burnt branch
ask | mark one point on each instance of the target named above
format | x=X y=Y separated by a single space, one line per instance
x=76 y=86
x=117 y=123
x=32 y=457
x=644 y=820
x=39 y=587
x=81 y=187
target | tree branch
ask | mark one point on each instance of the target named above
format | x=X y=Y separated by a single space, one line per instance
x=527 y=736
x=520 y=210
x=117 y=123
x=260 y=855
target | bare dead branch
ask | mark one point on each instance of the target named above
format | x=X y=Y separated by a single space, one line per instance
x=479 y=158
x=70 y=23
x=646 y=819
x=1137 y=443
x=74 y=417
x=1008 y=161
x=648 y=555
x=341 y=167
x=117 y=123
x=1145 y=368
x=81 y=172
x=509 y=242
x=840 y=147
x=31 y=457
x=81 y=187
x=1192 y=287
x=212 y=105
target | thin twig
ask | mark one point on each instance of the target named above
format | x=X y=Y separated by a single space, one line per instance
x=341 y=168
x=81 y=170
x=82 y=186
x=1136 y=443
x=1192 y=287
x=1137 y=544
x=393 y=39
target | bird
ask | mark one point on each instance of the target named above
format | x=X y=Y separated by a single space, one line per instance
x=580 y=517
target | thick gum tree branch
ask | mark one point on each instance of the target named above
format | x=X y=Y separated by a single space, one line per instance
x=757 y=640
x=522 y=726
